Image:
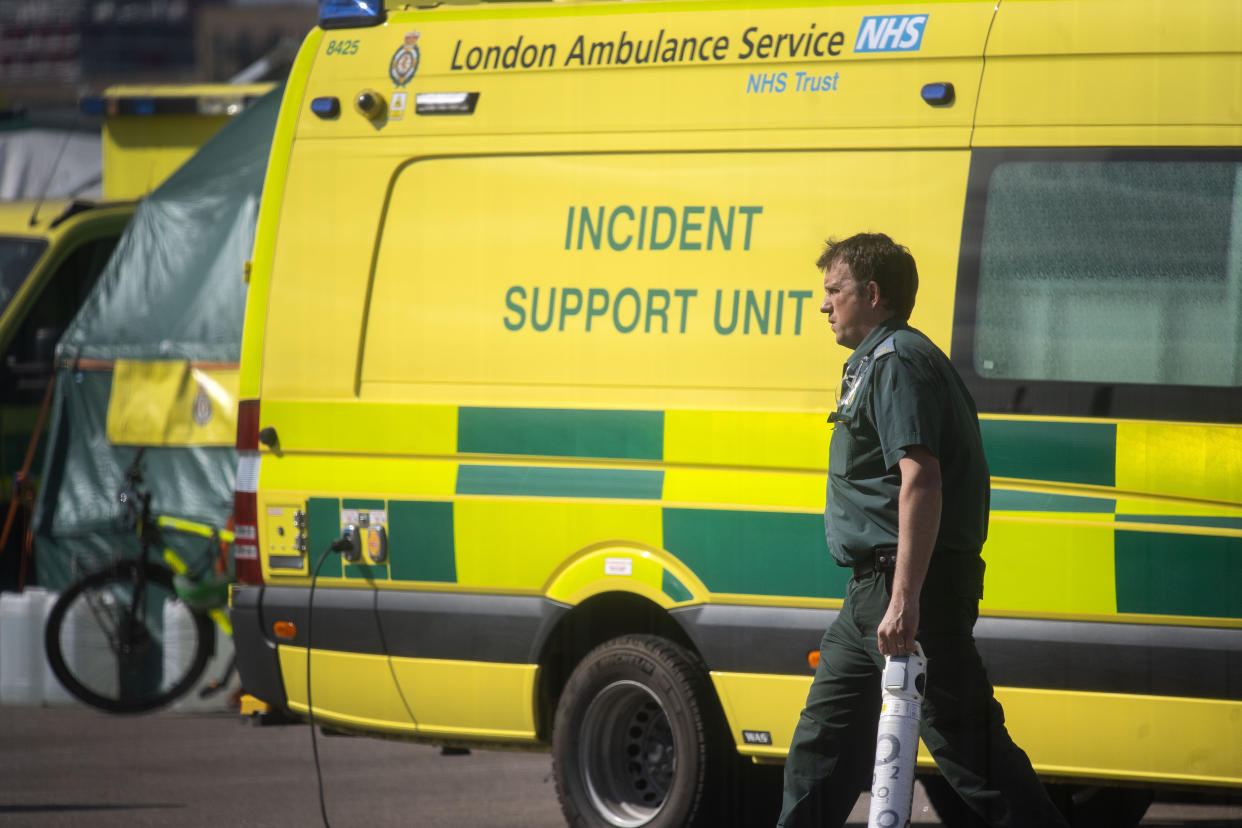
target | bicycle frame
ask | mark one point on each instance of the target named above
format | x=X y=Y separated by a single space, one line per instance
x=150 y=528
x=179 y=566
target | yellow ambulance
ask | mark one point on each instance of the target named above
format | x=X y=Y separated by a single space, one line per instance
x=51 y=253
x=534 y=388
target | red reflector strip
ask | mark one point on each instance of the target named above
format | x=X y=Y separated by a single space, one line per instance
x=246 y=521
x=248 y=567
x=248 y=425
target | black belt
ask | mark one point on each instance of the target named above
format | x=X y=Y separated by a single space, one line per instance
x=884 y=560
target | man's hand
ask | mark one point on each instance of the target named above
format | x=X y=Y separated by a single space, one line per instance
x=896 y=631
x=918 y=522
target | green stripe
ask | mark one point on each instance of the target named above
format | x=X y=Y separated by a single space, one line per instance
x=541 y=482
x=1062 y=452
x=367 y=572
x=420 y=541
x=1007 y=500
x=359 y=503
x=674 y=588
x=1167 y=574
x=625 y=435
x=1184 y=520
x=755 y=553
x=323 y=525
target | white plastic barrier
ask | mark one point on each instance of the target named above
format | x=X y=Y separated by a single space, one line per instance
x=54 y=693
x=25 y=676
x=21 y=647
x=174 y=643
x=27 y=679
x=86 y=650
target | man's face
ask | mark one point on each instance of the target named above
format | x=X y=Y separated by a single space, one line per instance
x=851 y=313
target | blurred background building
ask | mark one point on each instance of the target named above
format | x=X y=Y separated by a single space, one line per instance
x=54 y=52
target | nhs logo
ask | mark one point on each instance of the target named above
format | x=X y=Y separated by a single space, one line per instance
x=891 y=33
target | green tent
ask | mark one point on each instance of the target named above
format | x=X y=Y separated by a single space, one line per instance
x=151 y=360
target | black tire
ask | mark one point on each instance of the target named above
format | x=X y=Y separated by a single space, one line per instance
x=113 y=658
x=636 y=741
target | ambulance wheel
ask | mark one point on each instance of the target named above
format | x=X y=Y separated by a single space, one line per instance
x=634 y=741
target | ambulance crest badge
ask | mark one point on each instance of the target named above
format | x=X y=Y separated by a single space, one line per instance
x=404 y=61
x=202 y=406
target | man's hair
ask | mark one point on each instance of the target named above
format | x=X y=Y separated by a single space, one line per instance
x=874 y=257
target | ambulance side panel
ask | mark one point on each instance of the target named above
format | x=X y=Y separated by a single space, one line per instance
x=559 y=358
x=1098 y=296
x=564 y=350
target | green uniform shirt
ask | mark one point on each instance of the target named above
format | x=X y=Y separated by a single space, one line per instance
x=900 y=390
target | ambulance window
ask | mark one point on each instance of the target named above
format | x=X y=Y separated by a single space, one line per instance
x=27 y=361
x=1102 y=283
x=17 y=256
x=1111 y=271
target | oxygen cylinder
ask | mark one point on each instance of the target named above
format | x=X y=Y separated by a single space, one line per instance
x=897 y=741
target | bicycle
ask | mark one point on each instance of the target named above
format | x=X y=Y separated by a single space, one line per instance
x=137 y=634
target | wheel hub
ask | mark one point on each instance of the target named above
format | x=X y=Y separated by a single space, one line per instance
x=629 y=755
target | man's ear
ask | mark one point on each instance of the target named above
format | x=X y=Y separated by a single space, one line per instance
x=874 y=300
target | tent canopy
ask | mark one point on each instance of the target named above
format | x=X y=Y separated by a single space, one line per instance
x=150 y=358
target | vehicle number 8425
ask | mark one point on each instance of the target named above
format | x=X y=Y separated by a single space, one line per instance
x=342 y=47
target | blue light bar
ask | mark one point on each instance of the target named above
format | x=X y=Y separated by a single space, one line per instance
x=938 y=94
x=344 y=14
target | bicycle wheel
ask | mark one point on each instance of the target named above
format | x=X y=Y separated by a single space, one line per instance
x=120 y=639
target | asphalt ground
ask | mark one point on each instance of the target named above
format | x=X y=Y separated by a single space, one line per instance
x=78 y=767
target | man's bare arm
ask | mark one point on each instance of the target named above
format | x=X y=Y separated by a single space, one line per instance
x=918 y=522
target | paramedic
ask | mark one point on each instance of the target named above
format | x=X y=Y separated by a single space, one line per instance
x=907 y=510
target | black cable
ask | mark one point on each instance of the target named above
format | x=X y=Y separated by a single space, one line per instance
x=392 y=671
x=310 y=708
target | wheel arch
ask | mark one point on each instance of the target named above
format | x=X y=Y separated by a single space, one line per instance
x=625 y=566
x=613 y=588
x=599 y=618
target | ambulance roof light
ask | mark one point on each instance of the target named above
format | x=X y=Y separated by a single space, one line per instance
x=343 y=14
x=157 y=104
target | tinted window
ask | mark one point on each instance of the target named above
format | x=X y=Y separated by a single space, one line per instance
x=1113 y=271
x=17 y=256
x=1103 y=283
x=27 y=361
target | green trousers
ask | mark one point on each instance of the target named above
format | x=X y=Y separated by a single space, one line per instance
x=832 y=754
